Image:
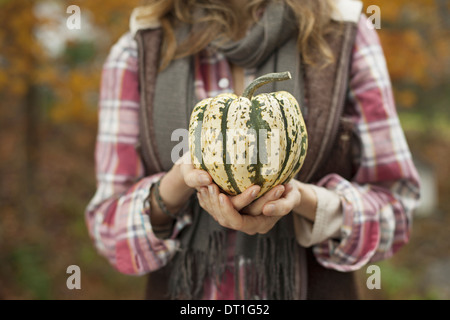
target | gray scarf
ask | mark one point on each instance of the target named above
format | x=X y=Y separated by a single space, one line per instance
x=269 y=262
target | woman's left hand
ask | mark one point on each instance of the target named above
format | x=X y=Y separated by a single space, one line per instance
x=277 y=206
x=258 y=217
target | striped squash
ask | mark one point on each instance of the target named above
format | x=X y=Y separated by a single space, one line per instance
x=242 y=141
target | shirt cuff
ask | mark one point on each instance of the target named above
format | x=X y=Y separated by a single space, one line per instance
x=172 y=229
x=327 y=223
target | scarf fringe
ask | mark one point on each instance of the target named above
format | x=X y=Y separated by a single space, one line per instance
x=269 y=274
x=192 y=267
x=272 y=273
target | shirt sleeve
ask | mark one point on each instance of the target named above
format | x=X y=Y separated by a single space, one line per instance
x=327 y=223
x=377 y=205
x=117 y=216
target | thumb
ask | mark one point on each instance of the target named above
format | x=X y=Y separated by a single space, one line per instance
x=185 y=159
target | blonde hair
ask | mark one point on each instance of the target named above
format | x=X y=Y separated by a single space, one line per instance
x=218 y=20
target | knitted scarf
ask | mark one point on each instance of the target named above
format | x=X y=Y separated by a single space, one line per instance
x=265 y=265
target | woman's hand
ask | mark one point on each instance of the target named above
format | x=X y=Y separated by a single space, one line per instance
x=193 y=178
x=176 y=187
x=257 y=217
x=277 y=202
x=298 y=197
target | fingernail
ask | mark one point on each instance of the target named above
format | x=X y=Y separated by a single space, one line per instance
x=222 y=202
x=254 y=193
x=211 y=190
x=203 y=179
x=270 y=208
x=278 y=193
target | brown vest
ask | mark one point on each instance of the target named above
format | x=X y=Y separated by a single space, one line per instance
x=330 y=138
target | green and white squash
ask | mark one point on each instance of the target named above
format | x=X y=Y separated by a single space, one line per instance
x=243 y=141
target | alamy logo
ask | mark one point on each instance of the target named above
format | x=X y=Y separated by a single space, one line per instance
x=374 y=20
x=74 y=21
x=374 y=280
x=73 y=281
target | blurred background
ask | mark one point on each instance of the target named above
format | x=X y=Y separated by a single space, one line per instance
x=49 y=82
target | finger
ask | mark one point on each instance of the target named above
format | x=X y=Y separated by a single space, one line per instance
x=287 y=188
x=200 y=199
x=256 y=208
x=245 y=198
x=211 y=193
x=229 y=217
x=185 y=159
x=283 y=206
x=207 y=198
x=202 y=196
x=205 y=203
x=196 y=178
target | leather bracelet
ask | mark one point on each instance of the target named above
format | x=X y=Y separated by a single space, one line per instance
x=159 y=200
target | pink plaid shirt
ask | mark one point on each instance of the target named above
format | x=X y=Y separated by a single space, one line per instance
x=376 y=206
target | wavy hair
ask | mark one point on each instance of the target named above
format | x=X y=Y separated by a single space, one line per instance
x=219 y=20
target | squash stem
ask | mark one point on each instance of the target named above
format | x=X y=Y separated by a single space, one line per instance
x=259 y=82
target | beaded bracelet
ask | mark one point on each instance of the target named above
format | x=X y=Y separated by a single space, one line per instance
x=160 y=201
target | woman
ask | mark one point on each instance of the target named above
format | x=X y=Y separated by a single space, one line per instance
x=350 y=205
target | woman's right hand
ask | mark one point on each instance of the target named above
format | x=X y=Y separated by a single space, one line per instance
x=180 y=182
x=193 y=178
x=175 y=189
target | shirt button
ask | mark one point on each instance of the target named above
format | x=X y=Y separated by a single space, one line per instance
x=224 y=83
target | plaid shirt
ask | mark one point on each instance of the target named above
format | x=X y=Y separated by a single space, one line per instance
x=376 y=206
